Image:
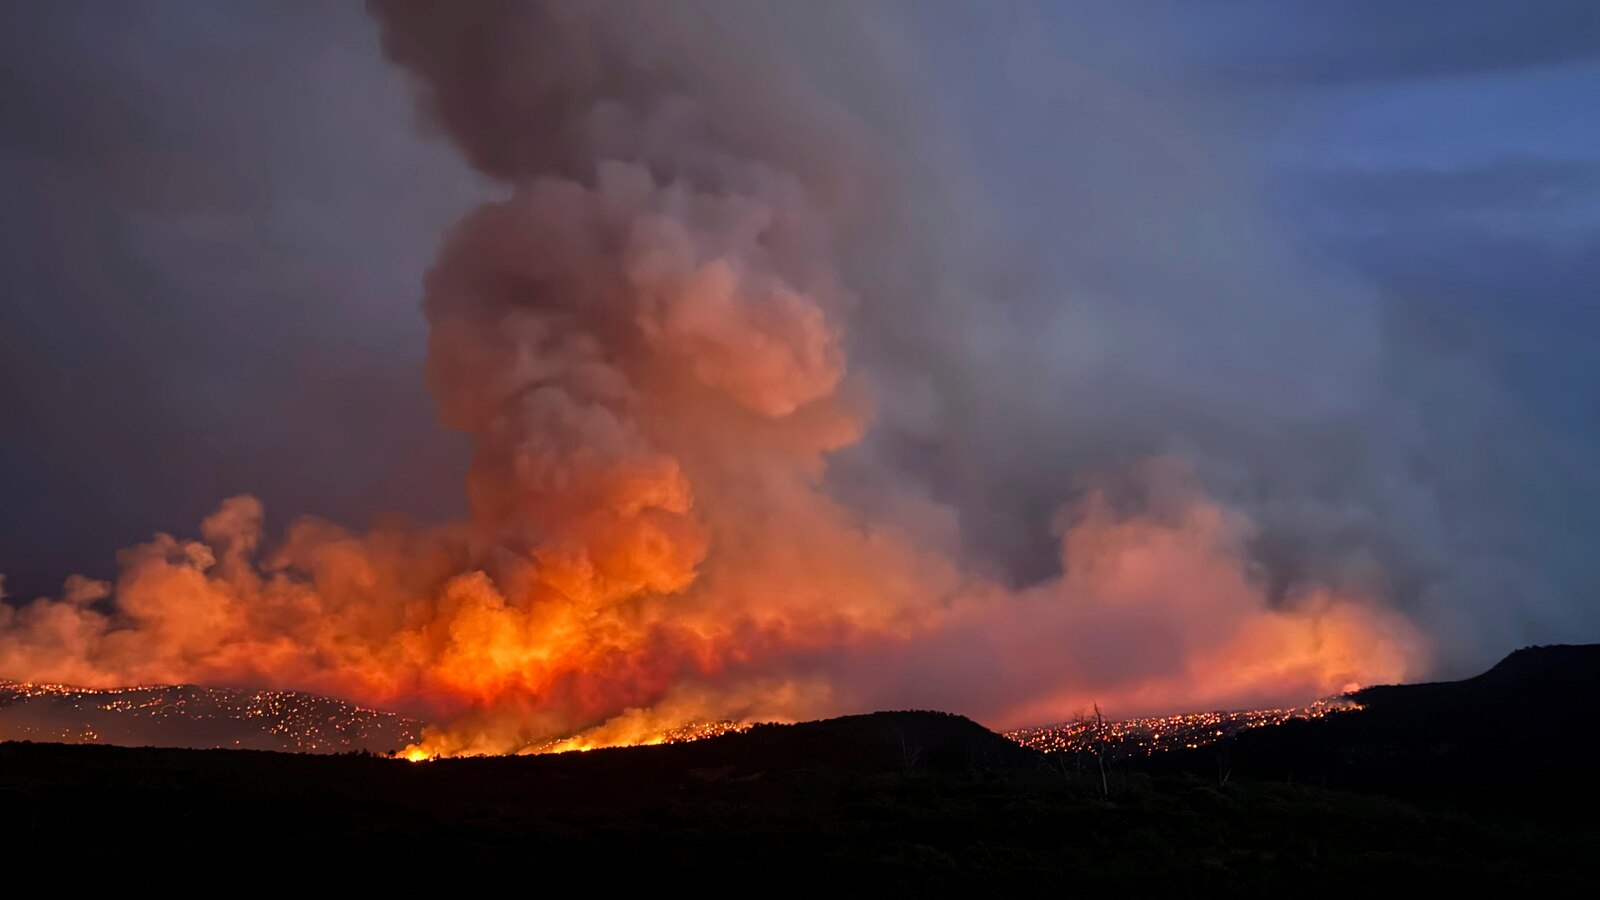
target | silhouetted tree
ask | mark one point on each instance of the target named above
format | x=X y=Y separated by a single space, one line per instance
x=1100 y=741
x=910 y=753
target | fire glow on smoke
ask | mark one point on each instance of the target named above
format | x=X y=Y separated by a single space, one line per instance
x=645 y=340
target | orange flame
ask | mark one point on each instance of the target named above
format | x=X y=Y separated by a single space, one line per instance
x=1149 y=616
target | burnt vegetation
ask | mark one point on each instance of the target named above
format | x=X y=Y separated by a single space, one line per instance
x=1483 y=783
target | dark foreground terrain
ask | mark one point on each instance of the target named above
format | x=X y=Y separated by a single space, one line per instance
x=1428 y=789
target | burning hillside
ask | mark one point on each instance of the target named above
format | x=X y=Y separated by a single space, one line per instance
x=1145 y=735
x=186 y=715
x=293 y=721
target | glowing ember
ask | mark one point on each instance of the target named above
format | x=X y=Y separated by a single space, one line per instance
x=1157 y=734
x=682 y=734
x=192 y=716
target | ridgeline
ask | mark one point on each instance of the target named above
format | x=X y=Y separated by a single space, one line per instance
x=1480 y=785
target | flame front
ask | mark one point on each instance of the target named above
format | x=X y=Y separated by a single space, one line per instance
x=645 y=341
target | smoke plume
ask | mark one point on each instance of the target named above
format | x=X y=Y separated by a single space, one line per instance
x=648 y=340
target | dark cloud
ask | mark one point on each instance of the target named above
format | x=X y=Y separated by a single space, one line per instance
x=1372 y=40
x=1530 y=193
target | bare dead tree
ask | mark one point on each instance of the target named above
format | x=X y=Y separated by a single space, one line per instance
x=910 y=754
x=1100 y=749
x=1080 y=727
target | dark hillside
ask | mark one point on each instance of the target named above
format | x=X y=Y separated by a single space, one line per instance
x=1561 y=682
x=1520 y=734
x=877 y=742
x=921 y=802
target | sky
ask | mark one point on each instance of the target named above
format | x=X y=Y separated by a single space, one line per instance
x=1340 y=258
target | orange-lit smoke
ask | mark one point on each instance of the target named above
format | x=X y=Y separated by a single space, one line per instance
x=646 y=342
x=1152 y=614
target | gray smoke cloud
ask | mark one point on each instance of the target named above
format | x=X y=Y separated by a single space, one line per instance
x=791 y=392
x=997 y=398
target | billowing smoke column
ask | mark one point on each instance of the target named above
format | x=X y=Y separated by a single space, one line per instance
x=646 y=342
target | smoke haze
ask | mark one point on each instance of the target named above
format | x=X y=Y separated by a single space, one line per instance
x=772 y=413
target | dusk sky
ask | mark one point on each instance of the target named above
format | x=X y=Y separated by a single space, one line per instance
x=1339 y=259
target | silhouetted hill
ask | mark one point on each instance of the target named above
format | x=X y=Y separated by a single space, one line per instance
x=780 y=811
x=1481 y=785
x=1562 y=679
x=1564 y=664
x=875 y=742
x=1512 y=734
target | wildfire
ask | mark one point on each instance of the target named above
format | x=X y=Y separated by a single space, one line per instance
x=185 y=715
x=1158 y=734
x=645 y=340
